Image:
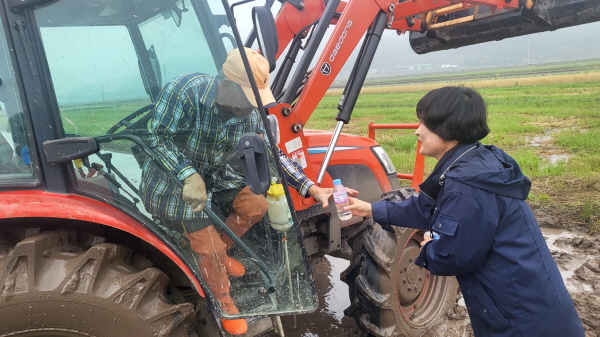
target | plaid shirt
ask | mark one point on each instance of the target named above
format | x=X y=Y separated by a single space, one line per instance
x=189 y=135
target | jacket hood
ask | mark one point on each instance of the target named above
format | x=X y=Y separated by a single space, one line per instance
x=491 y=169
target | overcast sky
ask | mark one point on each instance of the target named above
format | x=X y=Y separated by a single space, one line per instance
x=579 y=42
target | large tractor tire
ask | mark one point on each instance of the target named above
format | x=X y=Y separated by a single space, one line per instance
x=52 y=287
x=389 y=294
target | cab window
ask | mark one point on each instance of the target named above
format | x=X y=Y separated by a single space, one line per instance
x=15 y=152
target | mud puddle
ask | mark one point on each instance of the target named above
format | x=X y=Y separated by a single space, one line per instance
x=548 y=153
x=577 y=255
x=329 y=319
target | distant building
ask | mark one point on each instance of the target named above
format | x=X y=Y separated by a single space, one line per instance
x=412 y=67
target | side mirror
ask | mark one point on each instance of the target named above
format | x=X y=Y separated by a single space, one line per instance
x=175 y=13
x=67 y=149
x=252 y=150
x=266 y=34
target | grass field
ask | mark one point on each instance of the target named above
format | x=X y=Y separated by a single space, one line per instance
x=544 y=69
x=550 y=125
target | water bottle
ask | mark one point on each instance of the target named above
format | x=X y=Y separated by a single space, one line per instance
x=280 y=217
x=340 y=197
x=435 y=235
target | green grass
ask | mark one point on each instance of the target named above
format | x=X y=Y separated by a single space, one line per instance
x=556 y=68
x=563 y=118
x=568 y=113
x=95 y=121
x=567 y=116
x=591 y=214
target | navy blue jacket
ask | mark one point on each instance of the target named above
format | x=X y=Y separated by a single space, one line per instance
x=490 y=240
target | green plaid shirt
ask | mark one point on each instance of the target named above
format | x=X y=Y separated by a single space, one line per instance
x=189 y=135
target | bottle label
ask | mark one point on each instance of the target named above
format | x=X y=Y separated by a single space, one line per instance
x=340 y=197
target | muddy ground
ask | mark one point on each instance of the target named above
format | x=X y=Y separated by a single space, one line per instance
x=575 y=250
x=567 y=210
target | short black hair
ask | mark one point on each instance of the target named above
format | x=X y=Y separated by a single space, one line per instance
x=454 y=113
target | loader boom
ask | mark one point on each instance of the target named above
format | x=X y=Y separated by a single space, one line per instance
x=433 y=25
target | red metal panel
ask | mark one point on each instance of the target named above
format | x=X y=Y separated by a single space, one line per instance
x=298 y=151
x=351 y=26
x=362 y=156
x=28 y=204
x=290 y=20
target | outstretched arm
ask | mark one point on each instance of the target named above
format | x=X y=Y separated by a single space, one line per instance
x=300 y=182
x=359 y=208
x=324 y=194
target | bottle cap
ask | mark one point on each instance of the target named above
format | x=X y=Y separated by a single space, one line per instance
x=337 y=182
x=435 y=236
x=276 y=190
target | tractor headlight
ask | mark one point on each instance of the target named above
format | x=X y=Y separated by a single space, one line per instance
x=384 y=159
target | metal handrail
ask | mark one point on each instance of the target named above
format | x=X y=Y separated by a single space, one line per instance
x=416 y=177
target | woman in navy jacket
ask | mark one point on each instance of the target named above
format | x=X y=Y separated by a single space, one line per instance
x=487 y=236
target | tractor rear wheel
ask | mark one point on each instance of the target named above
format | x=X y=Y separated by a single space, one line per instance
x=52 y=287
x=389 y=294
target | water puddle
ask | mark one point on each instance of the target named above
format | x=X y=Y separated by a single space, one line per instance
x=567 y=262
x=329 y=319
x=545 y=141
x=539 y=141
x=337 y=298
x=555 y=159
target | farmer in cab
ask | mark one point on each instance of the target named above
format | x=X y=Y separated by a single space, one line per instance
x=197 y=122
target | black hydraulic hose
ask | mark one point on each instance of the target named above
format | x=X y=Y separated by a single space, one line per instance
x=286 y=67
x=353 y=87
x=109 y=165
x=309 y=53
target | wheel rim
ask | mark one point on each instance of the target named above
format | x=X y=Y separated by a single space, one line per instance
x=419 y=295
x=411 y=278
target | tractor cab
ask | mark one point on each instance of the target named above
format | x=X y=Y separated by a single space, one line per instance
x=80 y=93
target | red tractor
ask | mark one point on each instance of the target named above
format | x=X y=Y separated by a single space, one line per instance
x=81 y=255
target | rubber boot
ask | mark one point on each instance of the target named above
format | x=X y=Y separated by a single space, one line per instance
x=213 y=261
x=234 y=267
x=248 y=209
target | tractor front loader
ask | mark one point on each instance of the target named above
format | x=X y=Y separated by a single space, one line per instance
x=81 y=254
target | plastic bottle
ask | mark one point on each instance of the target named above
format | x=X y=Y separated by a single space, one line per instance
x=435 y=236
x=280 y=217
x=341 y=200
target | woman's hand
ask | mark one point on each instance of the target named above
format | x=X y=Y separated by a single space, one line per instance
x=426 y=238
x=359 y=207
x=323 y=195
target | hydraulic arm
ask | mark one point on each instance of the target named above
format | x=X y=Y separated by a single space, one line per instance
x=434 y=25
